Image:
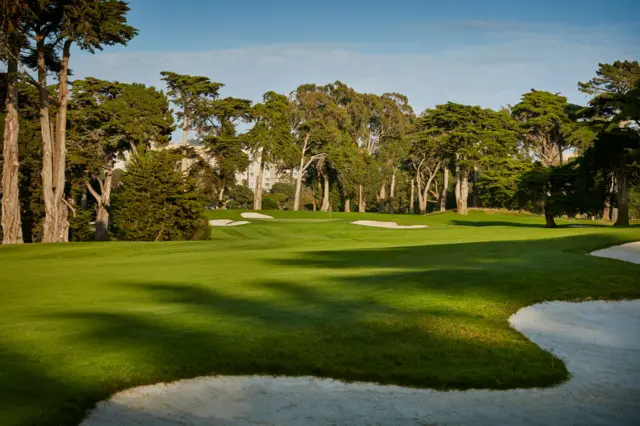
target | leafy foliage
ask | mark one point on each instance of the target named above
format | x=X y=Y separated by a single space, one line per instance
x=240 y=197
x=545 y=119
x=616 y=78
x=271 y=202
x=193 y=95
x=157 y=202
x=109 y=118
x=497 y=186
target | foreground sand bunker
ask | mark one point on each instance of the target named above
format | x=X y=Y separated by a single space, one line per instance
x=627 y=252
x=390 y=225
x=599 y=341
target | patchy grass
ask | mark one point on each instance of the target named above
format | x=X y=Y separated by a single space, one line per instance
x=423 y=308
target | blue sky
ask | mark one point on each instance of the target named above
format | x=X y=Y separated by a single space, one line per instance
x=478 y=52
x=206 y=24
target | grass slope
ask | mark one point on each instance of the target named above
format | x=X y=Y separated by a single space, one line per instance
x=425 y=308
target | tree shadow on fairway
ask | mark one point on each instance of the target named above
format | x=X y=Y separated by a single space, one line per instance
x=426 y=316
x=480 y=224
x=488 y=223
x=25 y=380
x=196 y=331
x=521 y=272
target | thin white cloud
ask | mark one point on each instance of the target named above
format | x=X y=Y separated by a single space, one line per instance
x=489 y=74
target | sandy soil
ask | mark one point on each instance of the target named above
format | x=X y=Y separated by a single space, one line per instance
x=390 y=225
x=252 y=215
x=599 y=341
x=626 y=252
x=227 y=222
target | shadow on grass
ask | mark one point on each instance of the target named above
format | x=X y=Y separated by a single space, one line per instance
x=427 y=316
x=31 y=395
x=354 y=340
x=475 y=223
x=480 y=224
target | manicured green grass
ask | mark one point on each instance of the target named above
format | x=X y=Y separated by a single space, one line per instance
x=424 y=308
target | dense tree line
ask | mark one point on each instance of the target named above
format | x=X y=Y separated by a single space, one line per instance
x=334 y=148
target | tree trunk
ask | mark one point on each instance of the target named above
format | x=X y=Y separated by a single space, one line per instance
x=392 y=192
x=412 y=198
x=464 y=194
x=475 y=187
x=84 y=202
x=361 y=201
x=301 y=169
x=11 y=221
x=185 y=132
x=221 y=196
x=296 y=200
x=423 y=194
x=259 y=188
x=63 y=223
x=185 y=136
x=422 y=204
x=50 y=224
x=382 y=197
x=458 y=194
x=313 y=194
x=443 y=193
x=347 y=204
x=550 y=222
x=623 y=199
x=607 y=210
x=102 y=223
x=325 y=194
x=60 y=151
x=104 y=202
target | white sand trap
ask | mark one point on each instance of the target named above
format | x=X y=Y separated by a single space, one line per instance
x=390 y=225
x=628 y=252
x=600 y=342
x=227 y=222
x=252 y=215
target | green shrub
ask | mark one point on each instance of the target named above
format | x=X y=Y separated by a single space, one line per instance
x=80 y=228
x=285 y=193
x=270 y=202
x=240 y=197
x=157 y=202
x=634 y=203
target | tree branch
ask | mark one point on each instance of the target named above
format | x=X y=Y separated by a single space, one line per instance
x=73 y=209
x=100 y=183
x=311 y=160
x=94 y=193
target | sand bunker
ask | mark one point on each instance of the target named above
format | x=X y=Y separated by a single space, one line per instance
x=627 y=252
x=599 y=341
x=252 y=215
x=389 y=225
x=227 y=222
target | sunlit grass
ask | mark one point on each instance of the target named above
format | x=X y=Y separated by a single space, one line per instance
x=425 y=308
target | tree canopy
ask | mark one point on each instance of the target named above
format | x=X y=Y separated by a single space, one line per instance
x=322 y=146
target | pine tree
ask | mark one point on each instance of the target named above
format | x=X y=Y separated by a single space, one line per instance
x=157 y=202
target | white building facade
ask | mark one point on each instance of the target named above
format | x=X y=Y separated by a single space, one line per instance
x=247 y=177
